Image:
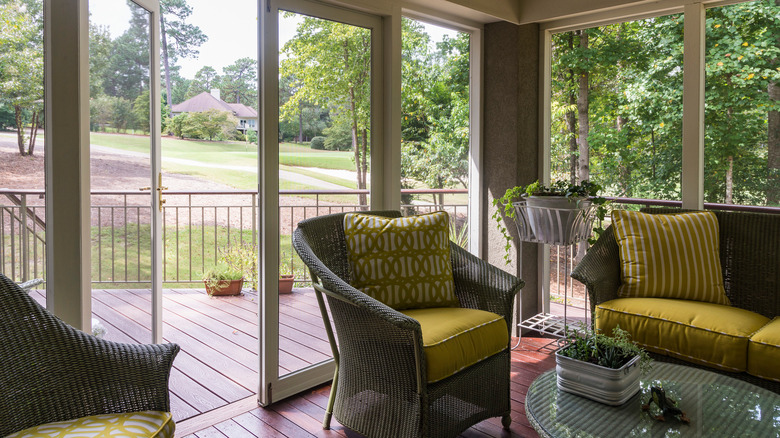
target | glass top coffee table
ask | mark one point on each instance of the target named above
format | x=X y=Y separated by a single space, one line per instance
x=717 y=405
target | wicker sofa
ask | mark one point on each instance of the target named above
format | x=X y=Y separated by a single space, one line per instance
x=750 y=262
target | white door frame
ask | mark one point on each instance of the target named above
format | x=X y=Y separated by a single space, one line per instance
x=155 y=123
x=272 y=386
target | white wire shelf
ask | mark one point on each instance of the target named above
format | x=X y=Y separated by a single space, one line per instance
x=545 y=323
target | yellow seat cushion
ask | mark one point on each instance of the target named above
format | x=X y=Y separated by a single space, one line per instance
x=711 y=334
x=456 y=338
x=128 y=425
x=669 y=256
x=402 y=262
x=764 y=352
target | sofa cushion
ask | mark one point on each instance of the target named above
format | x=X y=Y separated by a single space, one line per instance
x=455 y=338
x=711 y=334
x=402 y=262
x=764 y=352
x=669 y=256
x=151 y=424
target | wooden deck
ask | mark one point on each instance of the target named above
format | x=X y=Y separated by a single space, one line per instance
x=301 y=415
x=215 y=378
x=218 y=362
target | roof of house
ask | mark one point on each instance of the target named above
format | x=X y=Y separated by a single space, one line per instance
x=206 y=101
x=243 y=111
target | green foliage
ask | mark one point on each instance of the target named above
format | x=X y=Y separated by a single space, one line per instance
x=459 y=233
x=329 y=66
x=238 y=84
x=209 y=124
x=607 y=351
x=435 y=109
x=251 y=136
x=141 y=112
x=338 y=137
x=21 y=65
x=317 y=143
x=176 y=125
x=242 y=257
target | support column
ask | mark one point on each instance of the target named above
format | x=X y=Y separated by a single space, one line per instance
x=511 y=146
x=693 y=108
x=68 y=257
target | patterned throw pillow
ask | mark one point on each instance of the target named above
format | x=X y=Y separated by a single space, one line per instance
x=670 y=256
x=402 y=262
x=151 y=424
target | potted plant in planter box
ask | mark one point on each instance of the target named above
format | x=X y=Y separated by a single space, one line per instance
x=223 y=280
x=600 y=367
x=551 y=212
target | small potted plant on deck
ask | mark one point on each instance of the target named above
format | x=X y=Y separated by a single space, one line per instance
x=286 y=275
x=223 y=280
x=600 y=367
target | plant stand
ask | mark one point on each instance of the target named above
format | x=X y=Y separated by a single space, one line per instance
x=563 y=227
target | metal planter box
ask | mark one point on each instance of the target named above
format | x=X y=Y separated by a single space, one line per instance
x=604 y=385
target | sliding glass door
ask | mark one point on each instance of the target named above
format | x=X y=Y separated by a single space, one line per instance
x=321 y=91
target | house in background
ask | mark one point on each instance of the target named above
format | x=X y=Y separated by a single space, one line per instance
x=247 y=116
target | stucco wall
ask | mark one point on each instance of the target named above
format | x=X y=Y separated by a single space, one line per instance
x=511 y=138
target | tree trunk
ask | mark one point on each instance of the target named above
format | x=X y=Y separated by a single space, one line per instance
x=730 y=180
x=571 y=120
x=164 y=44
x=583 y=118
x=19 y=129
x=773 y=154
x=364 y=162
x=300 y=121
x=33 y=132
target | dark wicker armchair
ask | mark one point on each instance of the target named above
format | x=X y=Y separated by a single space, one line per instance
x=380 y=388
x=50 y=371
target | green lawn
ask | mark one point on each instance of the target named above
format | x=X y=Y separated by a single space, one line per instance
x=187 y=253
x=292 y=157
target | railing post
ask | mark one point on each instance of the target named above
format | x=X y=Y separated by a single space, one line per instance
x=254 y=219
x=25 y=240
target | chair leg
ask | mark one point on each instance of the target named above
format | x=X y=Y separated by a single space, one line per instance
x=331 y=399
x=506 y=421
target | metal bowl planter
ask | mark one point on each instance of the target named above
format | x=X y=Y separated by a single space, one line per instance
x=605 y=385
x=554 y=220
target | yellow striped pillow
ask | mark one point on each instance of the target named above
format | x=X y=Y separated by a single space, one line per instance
x=403 y=262
x=669 y=256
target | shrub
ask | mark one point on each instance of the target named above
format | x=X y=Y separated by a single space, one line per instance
x=318 y=143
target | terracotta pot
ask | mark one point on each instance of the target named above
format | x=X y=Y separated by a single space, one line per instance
x=225 y=287
x=286 y=284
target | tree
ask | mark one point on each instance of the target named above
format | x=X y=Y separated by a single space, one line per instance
x=100 y=48
x=21 y=67
x=209 y=124
x=331 y=64
x=184 y=41
x=239 y=82
x=205 y=79
x=435 y=110
x=127 y=74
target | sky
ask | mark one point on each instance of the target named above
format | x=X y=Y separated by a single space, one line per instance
x=231 y=26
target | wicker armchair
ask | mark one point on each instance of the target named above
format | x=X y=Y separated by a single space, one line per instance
x=51 y=372
x=379 y=388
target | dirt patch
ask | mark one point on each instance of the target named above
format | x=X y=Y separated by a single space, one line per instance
x=111 y=172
